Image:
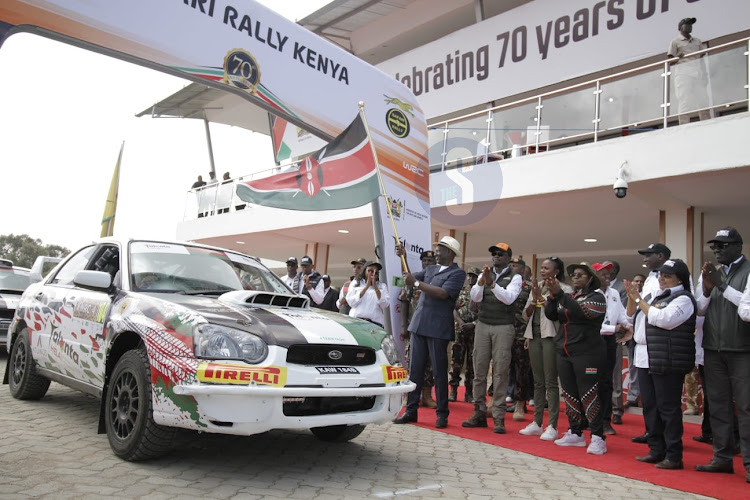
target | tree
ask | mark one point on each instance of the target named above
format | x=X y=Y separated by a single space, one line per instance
x=23 y=250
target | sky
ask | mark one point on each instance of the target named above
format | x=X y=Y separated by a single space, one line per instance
x=65 y=113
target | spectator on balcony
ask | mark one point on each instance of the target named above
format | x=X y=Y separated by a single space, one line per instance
x=689 y=73
x=199 y=183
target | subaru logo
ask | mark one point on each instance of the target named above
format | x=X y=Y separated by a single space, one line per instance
x=334 y=355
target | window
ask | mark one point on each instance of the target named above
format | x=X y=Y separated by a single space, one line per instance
x=68 y=272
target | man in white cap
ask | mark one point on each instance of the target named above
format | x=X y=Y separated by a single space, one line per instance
x=689 y=73
x=432 y=325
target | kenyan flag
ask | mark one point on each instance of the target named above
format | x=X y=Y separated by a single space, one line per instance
x=340 y=175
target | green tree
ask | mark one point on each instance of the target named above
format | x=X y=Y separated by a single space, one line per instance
x=23 y=250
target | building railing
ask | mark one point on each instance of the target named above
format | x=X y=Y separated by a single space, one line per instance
x=636 y=100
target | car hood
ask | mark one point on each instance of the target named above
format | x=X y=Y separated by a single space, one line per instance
x=282 y=326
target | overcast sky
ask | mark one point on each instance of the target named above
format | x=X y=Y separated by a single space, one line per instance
x=65 y=112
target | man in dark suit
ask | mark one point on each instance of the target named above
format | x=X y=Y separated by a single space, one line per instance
x=330 y=295
x=432 y=325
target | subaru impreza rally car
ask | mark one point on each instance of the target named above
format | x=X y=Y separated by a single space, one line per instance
x=172 y=335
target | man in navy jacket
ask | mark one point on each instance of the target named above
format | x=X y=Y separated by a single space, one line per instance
x=432 y=327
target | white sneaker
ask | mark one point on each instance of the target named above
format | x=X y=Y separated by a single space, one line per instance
x=597 y=446
x=570 y=439
x=533 y=429
x=549 y=434
x=531 y=402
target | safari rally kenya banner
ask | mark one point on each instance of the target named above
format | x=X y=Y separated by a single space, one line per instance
x=250 y=50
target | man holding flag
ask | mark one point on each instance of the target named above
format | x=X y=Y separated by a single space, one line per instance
x=432 y=325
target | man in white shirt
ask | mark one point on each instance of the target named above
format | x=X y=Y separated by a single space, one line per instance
x=615 y=325
x=654 y=256
x=292 y=278
x=495 y=292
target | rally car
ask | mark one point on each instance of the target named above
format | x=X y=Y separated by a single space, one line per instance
x=179 y=335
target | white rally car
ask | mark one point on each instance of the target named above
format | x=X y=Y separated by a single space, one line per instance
x=183 y=335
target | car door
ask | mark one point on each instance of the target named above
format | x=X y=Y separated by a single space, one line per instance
x=48 y=310
x=81 y=342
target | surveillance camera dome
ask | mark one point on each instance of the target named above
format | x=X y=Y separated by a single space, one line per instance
x=621 y=188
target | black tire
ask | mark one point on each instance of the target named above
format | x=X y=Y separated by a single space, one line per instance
x=337 y=433
x=129 y=421
x=24 y=381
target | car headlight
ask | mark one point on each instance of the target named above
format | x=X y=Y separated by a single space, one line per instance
x=221 y=342
x=389 y=349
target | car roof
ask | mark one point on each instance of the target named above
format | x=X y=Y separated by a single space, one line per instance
x=124 y=241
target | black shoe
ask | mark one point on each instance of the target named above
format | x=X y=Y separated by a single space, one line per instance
x=442 y=423
x=609 y=430
x=670 y=465
x=405 y=418
x=640 y=439
x=650 y=459
x=453 y=395
x=704 y=439
x=714 y=466
x=617 y=419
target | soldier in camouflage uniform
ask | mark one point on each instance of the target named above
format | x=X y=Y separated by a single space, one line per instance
x=519 y=355
x=465 y=315
x=409 y=299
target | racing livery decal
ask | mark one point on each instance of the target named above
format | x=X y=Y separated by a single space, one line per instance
x=394 y=373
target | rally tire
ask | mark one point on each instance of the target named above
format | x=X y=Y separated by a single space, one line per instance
x=24 y=381
x=337 y=433
x=129 y=420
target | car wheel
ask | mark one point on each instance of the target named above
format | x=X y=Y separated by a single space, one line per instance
x=131 y=430
x=24 y=381
x=337 y=433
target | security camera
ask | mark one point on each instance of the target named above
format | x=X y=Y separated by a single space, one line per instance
x=620 y=187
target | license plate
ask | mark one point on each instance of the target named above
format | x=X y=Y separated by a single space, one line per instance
x=336 y=369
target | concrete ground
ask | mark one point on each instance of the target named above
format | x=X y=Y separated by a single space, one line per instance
x=50 y=449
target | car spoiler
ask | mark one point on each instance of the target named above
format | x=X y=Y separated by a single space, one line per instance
x=36 y=270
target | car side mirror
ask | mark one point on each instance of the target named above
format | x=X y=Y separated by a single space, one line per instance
x=93 y=280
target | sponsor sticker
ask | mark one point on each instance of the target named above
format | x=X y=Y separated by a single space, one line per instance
x=394 y=373
x=347 y=370
x=90 y=310
x=218 y=373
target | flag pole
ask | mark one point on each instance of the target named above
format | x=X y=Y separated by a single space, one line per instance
x=404 y=265
x=110 y=205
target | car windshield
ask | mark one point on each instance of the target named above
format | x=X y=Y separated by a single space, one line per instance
x=14 y=279
x=168 y=267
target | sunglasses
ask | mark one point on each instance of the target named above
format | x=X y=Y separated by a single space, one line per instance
x=719 y=245
x=579 y=275
x=499 y=253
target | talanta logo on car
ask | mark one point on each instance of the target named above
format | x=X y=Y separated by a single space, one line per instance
x=218 y=373
x=394 y=373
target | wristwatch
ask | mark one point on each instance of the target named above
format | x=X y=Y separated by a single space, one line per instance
x=416 y=285
x=637 y=301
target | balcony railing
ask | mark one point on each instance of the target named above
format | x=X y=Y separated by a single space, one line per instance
x=632 y=101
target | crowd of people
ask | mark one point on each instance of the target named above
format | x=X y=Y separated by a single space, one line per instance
x=565 y=336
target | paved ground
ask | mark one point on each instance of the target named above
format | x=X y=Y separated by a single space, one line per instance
x=50 y=449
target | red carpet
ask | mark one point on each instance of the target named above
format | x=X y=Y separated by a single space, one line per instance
x=619 y=459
